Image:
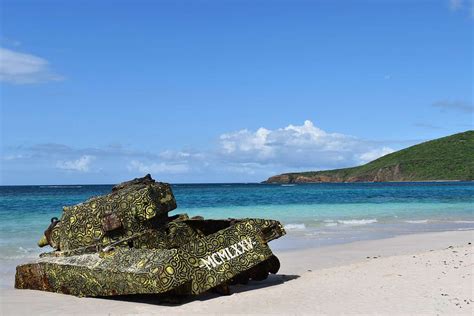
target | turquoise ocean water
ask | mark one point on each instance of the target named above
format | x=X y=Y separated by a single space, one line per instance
x=313 y=214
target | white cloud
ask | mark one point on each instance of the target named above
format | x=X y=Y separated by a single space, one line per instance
x=374 y=154
x=245 y=155
x=244 y=141
x=427 y=125
x=13 y=157
x=297 y=146
x=455 y=5
x=158 y=167
x=82 y=164
x=454 y=105
x=462 y=6
x=9 y=42
x=180 y=155
x=21 y=68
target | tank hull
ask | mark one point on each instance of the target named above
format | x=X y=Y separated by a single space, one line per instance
x=227 y=256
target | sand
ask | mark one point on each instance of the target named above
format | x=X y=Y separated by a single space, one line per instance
x=413 y=274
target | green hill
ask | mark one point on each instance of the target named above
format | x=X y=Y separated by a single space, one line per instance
x=447 y=158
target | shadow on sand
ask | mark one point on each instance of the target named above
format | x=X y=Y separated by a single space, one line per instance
x=165 y=300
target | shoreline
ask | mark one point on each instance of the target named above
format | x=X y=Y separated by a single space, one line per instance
x=365 y=182
x=364 y=274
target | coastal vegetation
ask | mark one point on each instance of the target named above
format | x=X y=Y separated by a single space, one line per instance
x=446 y=158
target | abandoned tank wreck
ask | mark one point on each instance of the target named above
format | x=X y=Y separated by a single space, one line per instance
x=126 y=243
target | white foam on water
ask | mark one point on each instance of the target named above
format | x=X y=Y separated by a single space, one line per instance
x=329 y=223
x=463 y=222
x=356 y=222
x=290 y=227
x=420 y=221
x=24 y=250
x=19 y=253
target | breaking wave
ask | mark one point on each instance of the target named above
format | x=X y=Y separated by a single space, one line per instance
x=421 y=221
x=293 y=227
x=18 y=253
x=356 y=222
x=329 y=223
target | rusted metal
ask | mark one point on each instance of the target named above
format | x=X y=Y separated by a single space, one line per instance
x=125 y=243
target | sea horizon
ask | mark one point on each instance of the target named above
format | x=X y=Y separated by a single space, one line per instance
x=261 y=182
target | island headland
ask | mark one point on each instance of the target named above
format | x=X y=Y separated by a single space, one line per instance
x=448 y=158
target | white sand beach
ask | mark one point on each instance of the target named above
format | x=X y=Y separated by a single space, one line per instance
x=427 y=273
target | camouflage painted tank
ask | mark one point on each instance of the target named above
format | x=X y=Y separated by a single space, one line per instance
x=125 y=243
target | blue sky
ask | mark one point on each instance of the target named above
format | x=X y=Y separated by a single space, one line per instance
x=225 y=91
